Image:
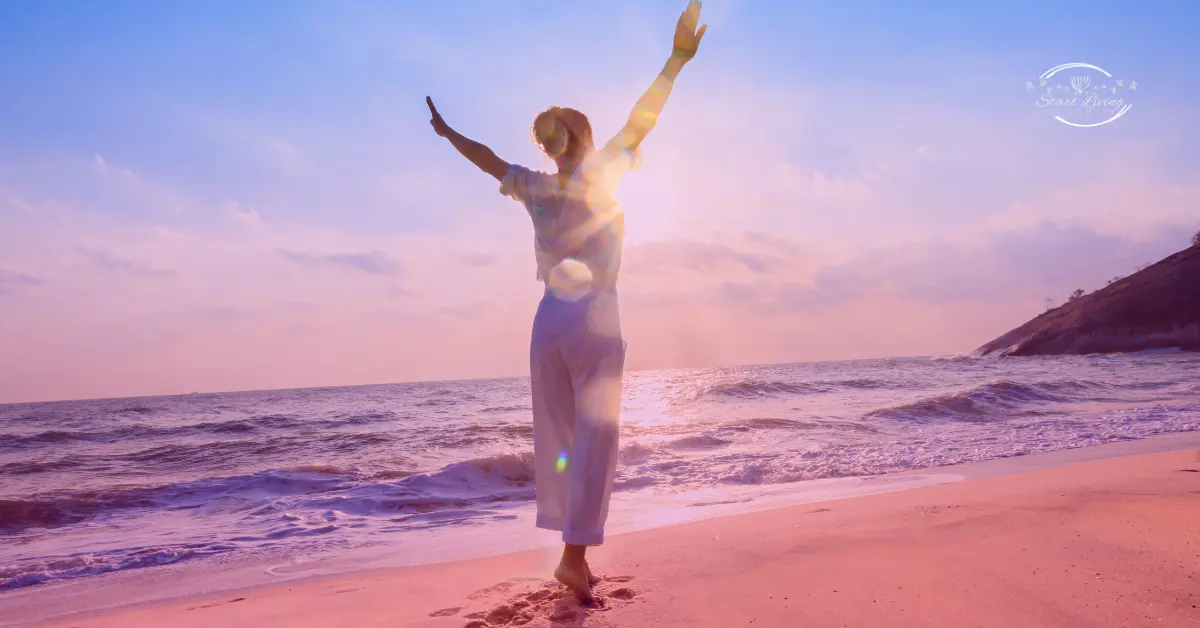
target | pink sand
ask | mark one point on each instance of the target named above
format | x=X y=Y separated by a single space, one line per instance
x=1111 y=543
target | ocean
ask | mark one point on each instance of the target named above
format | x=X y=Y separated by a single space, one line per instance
x=91 y=487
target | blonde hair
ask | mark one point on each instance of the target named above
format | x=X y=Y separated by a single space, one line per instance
x=562 y=131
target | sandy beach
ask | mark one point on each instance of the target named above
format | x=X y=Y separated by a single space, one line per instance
x=1108 y=543
x=852 y=316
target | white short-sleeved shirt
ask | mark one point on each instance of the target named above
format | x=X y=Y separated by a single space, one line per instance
x=581 y=222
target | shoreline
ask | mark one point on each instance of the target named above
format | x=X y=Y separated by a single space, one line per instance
x=164 y=588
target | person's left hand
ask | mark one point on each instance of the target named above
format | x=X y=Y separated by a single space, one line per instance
x=687 y=36
x=439 y=125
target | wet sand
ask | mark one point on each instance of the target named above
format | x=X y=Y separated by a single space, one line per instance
x=1108 y=543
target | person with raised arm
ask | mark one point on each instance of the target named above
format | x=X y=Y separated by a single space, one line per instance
x=577 y=353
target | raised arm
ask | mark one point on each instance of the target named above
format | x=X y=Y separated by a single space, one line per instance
x=650 y=105
x=480 y=155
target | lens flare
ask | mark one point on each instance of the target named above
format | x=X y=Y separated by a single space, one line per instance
x=561 y=464
x=570 y=279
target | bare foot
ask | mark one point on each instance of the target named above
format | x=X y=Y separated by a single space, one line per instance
x=593 y=579
x=576 y=579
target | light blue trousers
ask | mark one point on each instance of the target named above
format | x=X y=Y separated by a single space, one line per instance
x=576 y=360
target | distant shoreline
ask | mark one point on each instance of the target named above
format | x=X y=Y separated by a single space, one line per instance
x=1157 y=307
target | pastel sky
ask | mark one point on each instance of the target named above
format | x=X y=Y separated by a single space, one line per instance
x=219 y=195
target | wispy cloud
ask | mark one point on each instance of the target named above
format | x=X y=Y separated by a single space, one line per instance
x=373 y=262
x=254 y=138
x=21 y=206
x=282 y=151
x=1044 y=260
x=658 y=256
x=139 y=189
x=480 y=259
x=113 y=262
x=10 y=281
x=29 y=207
x=167 y=234
x=468 y=311
x=243 y=215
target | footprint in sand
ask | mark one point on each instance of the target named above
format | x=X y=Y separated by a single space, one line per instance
x=624 y=593
x=446 y=612
x=236 y=599
x=551 y=601
x=501 y=588
x=563 y=615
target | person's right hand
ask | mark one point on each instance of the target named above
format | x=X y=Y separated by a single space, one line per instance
x=439 y=125
x=687 y=37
